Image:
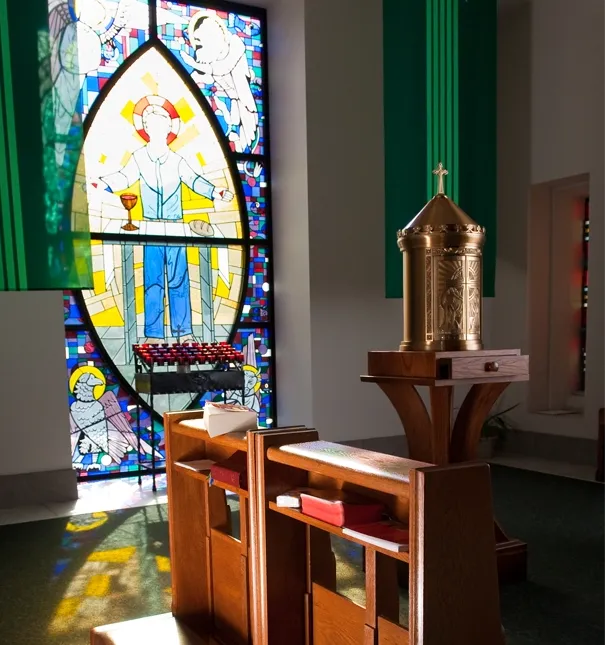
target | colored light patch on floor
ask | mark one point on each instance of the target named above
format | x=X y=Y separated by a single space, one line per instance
x=562 y=603
x=162 y=563
x=98 y=585
x=68 y=607
x=84 y=523
x=115 y=571
x=116 y=556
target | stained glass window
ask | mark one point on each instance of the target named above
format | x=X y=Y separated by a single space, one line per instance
x=173 y=179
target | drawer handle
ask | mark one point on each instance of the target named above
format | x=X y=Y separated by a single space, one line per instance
x=492 y=366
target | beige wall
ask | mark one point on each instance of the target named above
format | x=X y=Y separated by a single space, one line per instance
x=288 y=125
x=550 y=128
x=328 y=183
x=514 y=133
x=34 y=417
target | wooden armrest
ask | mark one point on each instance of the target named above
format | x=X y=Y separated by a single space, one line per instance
x=373 y=469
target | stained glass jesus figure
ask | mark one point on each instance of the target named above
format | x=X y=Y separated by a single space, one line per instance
x=162 y=172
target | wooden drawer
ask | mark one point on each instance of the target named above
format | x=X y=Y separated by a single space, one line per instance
x=445 y=366
x=479 y=367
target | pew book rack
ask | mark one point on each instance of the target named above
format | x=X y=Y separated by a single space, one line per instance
x=453 y=589
x=276 y=584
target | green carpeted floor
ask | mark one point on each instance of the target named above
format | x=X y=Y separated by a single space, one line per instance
x=562 y=521
x=60 y=577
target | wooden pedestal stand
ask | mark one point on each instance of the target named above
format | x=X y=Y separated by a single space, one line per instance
x=433 y=436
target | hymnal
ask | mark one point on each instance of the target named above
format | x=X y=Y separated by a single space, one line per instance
x=222 y=418
x=387 y=535
x=199 y=465
x=341 y=508
x=232 y=471
x=291 y=499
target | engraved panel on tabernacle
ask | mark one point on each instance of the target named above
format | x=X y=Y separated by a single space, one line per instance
x=429 y=294
x=450 y=296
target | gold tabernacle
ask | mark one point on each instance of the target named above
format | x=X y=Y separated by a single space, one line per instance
x=442 y=277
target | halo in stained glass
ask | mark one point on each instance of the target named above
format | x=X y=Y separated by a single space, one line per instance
x=119 y=158
x=102 y=414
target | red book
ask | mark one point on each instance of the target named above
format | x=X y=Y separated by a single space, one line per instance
x=341 y=508
x=232 y=471
x=387 y=535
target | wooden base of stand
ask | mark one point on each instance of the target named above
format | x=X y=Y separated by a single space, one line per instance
x=511 y=557
x=432 y=434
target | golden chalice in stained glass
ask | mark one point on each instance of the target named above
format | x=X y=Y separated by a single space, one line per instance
x=129 y=201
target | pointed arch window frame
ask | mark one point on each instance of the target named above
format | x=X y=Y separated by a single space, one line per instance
x=245 y=241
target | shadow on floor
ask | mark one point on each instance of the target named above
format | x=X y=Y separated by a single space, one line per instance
x=60 y=577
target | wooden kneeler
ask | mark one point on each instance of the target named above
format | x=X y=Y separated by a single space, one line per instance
x=156 y=630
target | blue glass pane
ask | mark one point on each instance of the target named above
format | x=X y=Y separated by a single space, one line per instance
x=71 y=310
x=254 y=183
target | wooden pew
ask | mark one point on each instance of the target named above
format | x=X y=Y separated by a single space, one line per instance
x=214 y=596
x=453 y=583
x=213 y=589
x=276 y=585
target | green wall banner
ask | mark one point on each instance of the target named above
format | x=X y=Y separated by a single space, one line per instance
x=440 y=105
x=41 y=245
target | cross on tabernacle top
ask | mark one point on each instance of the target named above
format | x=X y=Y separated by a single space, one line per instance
x=440 y=172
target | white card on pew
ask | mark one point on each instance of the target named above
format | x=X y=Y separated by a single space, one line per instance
x=222 y=418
